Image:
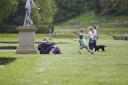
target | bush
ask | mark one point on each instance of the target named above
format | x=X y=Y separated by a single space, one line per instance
x=8 y=29
x=12 y=28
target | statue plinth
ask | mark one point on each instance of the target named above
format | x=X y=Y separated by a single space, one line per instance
x=26 y=40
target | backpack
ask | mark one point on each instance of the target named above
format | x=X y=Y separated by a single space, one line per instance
x=56 y=50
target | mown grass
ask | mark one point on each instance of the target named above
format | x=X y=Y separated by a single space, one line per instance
x=88 y=18
x=70 y=68
x=67 y=32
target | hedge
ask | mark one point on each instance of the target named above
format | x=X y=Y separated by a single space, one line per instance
x=12 y=28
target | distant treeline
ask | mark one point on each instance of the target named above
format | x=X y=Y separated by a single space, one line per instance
x=71 y=8
x=12 y=12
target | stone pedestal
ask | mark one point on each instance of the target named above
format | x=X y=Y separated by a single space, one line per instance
x=26 y=40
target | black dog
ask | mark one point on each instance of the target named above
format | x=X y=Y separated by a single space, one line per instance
x=102 y=47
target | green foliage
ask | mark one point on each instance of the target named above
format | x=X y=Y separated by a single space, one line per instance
x=88 y=18
x=56 y=11
x=69 y=9
x=7 y=7
x=116 y=7
x=45 y=15
x=8 y=28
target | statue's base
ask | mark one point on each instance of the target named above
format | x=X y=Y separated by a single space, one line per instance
x=26 y=51
x=26 y=40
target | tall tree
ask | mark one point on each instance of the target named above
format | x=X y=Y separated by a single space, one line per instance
x=46 y=14
x=69 y=8
x=7 y=7
x=42 y=16
x=121 y=6
x=116 y=7
x=97 y=6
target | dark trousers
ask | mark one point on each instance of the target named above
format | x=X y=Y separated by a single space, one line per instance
x=91 y=46
x=95 y=45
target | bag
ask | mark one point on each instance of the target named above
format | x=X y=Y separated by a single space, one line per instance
x=56 y=50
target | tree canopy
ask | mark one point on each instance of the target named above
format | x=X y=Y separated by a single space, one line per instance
x=69 y=8
x=116 y=7
x=7 y=7
x=13 y=11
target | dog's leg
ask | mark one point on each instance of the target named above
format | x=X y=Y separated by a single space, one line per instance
x=103 y=49
x=95 y=49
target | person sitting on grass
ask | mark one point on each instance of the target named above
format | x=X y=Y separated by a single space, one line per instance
x=83 y=44
x=45 y=46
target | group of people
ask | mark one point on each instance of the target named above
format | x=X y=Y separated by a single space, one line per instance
x=46 y=47
x=92 y=35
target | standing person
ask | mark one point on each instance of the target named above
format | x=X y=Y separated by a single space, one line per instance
x=95 y=36
x=91 y=38
x=29 y=5
x=83 y=44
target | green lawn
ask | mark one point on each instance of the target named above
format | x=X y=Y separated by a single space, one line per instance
x=70 y=68
x=87 y=18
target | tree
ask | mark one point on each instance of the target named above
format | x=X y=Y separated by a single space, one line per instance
x=7 y=7
x=46 y=14
x=121 y=6
x=70 y=8
x=97 y=7
x=40 y=17
x=111 y=7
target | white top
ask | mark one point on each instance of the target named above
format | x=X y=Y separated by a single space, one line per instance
x=91 y=35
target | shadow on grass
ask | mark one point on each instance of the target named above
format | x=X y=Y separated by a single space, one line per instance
x=4 y=61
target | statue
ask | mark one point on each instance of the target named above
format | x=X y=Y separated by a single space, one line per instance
x=29 y=5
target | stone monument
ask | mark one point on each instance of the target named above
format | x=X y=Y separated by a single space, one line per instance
x=27 y=32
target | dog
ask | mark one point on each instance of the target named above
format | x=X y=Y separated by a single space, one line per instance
x=102 y=47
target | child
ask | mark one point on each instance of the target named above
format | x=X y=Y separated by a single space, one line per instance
x=83 y=44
